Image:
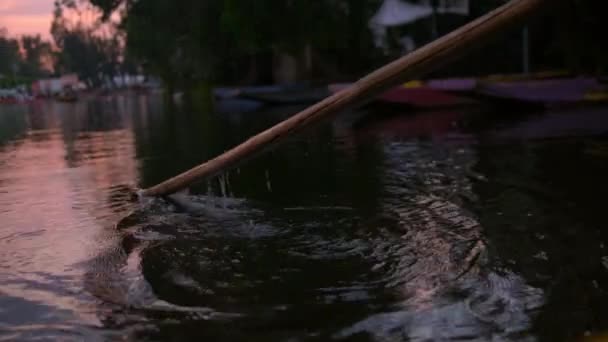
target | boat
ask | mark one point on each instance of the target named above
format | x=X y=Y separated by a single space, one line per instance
x=287 y=96
x=8 y=100
x=425 y=97
x=420 y=95
x=221 y=93
x=229 y=100
x=546 y=92
x=13 y=96
x=292 y=94
x=468 y=85
x=552 y=88
x=66 y=98
x=453 y=85
x=237 y=105
x=67 y=95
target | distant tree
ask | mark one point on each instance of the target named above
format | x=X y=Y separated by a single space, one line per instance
x=10 y=58
x=193 y=41
x=189 y=41
x=86 y=46
x=37 y=56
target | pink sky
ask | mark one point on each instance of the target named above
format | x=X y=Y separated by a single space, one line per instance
x=26 y=16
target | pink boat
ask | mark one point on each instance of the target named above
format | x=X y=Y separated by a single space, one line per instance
x=419 y=97
x=425 y=98
x=456 y=85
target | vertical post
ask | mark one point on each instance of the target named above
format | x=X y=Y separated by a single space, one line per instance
x=434 y=24
x=526 y=49
x=308 y=60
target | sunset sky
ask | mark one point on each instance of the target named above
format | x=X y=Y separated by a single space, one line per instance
x=26 y=16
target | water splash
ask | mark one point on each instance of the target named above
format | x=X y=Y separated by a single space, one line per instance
x=223 y=193
x=268 y=182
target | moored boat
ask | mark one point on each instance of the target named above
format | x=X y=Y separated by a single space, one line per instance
x=425 y=98
x=232 y=92
x=468 y=85
x=287 y=97
x=422 y=96
x=13 y=96
x=67 y=95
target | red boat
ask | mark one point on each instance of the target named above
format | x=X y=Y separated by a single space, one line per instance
x=8 y=100
x=425 y=98
x=418 y=96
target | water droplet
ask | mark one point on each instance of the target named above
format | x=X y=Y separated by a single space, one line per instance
x=268 y=183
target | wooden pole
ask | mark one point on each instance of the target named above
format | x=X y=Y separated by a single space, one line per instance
x=430 y=57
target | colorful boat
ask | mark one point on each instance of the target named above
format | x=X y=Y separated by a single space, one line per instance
x=450 y=92
x=419 y=95
x=12 y=96
x=455 y=85
x=468 y=85
x=425 y=98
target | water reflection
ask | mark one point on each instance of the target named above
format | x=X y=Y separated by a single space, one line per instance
x=550 y=206
x=439 y=263
x=431 y=226
x=56 y=181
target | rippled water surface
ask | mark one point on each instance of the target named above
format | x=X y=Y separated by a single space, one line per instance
x=377 y=227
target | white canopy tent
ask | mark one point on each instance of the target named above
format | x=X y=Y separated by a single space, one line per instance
x=395 y=13
x=398 y=12
x=460 y=7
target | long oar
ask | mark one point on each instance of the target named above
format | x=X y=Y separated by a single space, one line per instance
x=415 y=64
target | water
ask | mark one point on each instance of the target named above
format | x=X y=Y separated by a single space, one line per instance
x=429 y=226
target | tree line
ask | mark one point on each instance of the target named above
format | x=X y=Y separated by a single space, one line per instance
x=81 y=42
x=23 y=57
x=192 y=43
